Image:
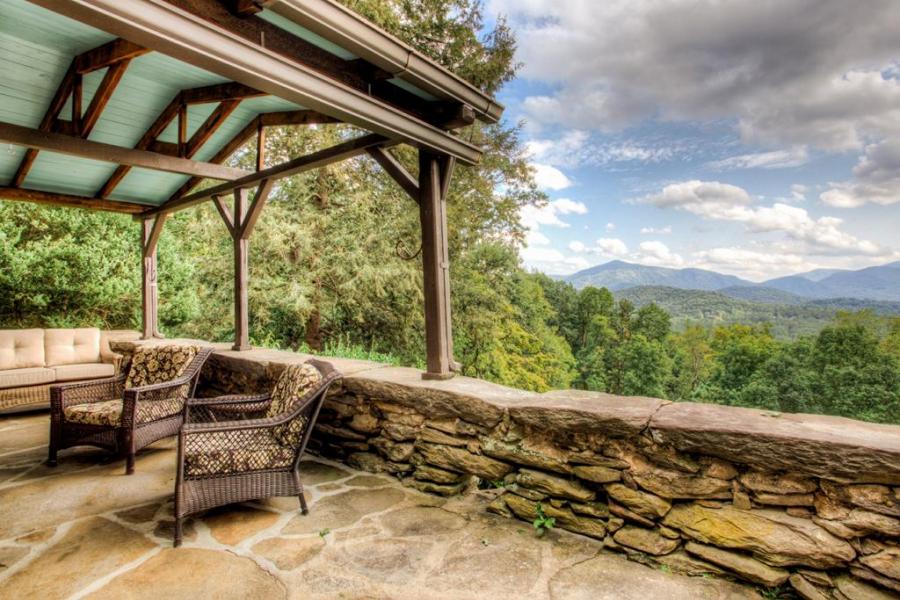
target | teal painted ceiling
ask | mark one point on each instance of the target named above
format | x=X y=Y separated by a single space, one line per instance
x=36 y=48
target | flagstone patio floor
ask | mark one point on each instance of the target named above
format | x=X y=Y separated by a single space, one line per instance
x=86 y=530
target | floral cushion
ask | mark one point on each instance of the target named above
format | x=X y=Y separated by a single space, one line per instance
x=217 y=453
x=294 y=382
x=159 y=364
x=109 y=412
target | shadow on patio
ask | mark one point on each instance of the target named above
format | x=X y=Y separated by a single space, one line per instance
x=84 y=530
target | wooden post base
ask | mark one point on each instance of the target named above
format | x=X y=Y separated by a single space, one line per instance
x=438 y=376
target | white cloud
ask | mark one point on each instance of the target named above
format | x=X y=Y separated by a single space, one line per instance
x=798 y=192
x=548 y=177
x=564 y=206
x=608 y=247
x=658 y=254
x=550 y=260
x=533 y=217
x=612 y=246
x=805 y=72
x=775 y=159
x=610 y=226
x=656 y=230
x=724 y=202
x=876 y=179
x=574 y=148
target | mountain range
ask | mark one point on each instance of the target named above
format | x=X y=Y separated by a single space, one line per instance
x=880 y=283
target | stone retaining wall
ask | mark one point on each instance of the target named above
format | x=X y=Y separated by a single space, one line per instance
x=773 y=499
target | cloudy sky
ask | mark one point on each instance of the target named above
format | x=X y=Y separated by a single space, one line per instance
x=753 y=137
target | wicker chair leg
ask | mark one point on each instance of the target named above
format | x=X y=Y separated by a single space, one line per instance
x=51 y=458
x=126 y=444
x=304 y=510
x=178 y=531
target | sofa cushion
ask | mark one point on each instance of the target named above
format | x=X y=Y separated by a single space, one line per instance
x=109 y=412
x=21 y=348
x=159 y=364
x=294 y=382
x=71 y=346
x=24 y=377
x=84 y=371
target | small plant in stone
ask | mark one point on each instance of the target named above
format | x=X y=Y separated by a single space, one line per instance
x=542 y=523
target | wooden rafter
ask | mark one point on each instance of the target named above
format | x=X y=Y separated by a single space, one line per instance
x=116 y=55
x=230 y=92
x=74 y=146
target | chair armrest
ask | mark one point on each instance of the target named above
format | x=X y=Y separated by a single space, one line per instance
x=230 y=399
x=84 y=392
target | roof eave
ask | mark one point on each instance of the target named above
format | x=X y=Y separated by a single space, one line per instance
x=349 y=30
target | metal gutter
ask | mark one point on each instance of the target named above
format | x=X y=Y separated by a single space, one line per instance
x=347 y=29
x=160 y=26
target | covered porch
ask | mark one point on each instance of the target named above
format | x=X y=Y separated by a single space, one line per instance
x=137 y=106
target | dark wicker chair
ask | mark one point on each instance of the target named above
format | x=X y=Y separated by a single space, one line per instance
x=126 y=418
x=248 y=447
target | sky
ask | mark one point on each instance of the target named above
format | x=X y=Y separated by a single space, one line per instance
x=758 y=138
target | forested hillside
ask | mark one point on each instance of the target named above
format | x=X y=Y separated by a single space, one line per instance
x=335 y=268
x=786 y=320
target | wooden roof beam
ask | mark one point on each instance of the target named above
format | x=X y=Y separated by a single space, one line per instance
x=65 y=144
x=333 y=154
x=356 y=73
x=70 y=200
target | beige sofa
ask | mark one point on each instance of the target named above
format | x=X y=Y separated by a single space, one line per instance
x=31 y=360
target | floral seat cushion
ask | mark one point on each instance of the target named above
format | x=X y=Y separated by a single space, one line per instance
x=217 y=453
x=294 y=383
x=109 y=412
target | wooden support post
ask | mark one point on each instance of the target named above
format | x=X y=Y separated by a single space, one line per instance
x=241 y=266
x=240 y=222
x=150 y=231
x=434 y=175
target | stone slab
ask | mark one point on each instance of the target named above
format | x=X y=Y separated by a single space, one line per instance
x=827 y=447
x=586 y=412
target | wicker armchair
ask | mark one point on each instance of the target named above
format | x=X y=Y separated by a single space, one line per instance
x=248 y=447
x=121 y=414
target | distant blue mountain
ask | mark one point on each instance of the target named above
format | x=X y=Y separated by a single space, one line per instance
x=619 y=275
x=872 y=283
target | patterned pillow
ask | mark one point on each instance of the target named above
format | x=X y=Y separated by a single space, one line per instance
x=159 y=364
x=294 y=382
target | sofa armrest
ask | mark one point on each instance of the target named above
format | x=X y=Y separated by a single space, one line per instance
x=113 y=358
